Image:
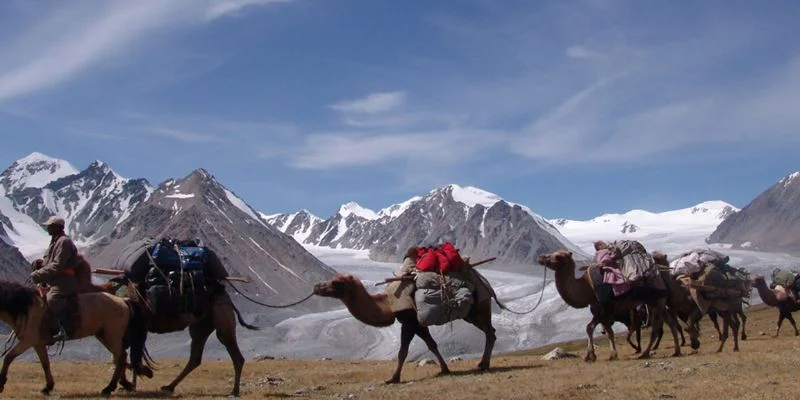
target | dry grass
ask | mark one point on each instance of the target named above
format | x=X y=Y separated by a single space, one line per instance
x=764 y=368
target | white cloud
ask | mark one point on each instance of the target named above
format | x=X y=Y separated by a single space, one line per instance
x=79 y=35
x=222 y=8
x=581 y=52
x=185 y=136
x=372 y=104
x=335 y=150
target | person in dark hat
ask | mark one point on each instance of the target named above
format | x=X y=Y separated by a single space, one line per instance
x=56 y=271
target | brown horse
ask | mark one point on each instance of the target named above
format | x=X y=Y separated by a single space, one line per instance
x=221 y=316
x=102 y=315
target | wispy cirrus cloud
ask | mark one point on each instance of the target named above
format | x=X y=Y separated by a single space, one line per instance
x=373 y=103
x=78 y=35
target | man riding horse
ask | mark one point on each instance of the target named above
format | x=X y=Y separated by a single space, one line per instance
x=57 y=270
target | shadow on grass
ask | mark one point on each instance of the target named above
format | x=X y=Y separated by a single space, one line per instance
x=492 y=370
x=151 y=394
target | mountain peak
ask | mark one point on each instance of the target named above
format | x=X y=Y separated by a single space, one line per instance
x=789 y=179
x=470 y=195
x=354 y=208
x=34 y=170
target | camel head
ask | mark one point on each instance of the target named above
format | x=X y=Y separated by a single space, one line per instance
x=660 y=258
x=341 y=286
x=557 y=260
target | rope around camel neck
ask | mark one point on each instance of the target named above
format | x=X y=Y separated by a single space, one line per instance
x=268 y=305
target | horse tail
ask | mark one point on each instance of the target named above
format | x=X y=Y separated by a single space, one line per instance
x=241 y=320
x=136 y=338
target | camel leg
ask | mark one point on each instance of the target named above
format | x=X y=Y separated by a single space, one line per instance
x=743 y=318
x=123 y=379
x=791 y=321
x=44 y=359
x=713 y=316
x=199 y=333
x=734 y=317
x=635 y=327
x=425 y=334
x=406 y=335
x=226 y=333
x=657 y=328
x=15 y=352
x=113 y=343
x=610 y=336
x=693 y=328
x=481 y=317
x=726 y=321
x=590 y=355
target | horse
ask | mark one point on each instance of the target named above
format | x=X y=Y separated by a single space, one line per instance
x=102 y=315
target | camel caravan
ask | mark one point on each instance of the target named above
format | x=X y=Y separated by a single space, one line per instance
x=170 y=285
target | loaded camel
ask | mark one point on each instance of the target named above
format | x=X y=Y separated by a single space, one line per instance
x=775 y=298
x=220 y=316
x=376 y=310
x=102 y=315
x=578 y=293
x=689 y=304
x=675 y=306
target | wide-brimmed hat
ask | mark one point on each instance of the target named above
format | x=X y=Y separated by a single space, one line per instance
x=54 y=220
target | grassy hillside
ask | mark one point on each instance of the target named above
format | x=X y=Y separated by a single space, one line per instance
x=764 y=368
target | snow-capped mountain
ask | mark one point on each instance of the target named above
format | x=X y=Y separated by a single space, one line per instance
x=199 y=206
x=692 y=224
x=13 y=266
x=92 y=201
x=480 y=223
x=769 y=222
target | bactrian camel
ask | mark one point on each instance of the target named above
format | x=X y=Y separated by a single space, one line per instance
x=775 y=298
x=682 y=302
x=680 y=306
x=578 y=293
x=375 y=310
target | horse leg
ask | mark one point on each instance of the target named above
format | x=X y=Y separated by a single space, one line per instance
x=113 y=342
x=44 y=359
x=123 y=379
x=406 y=335
x=15 y=351
x=425 y=334
x=226 y=333
x=481 y=317
x=199 y=332
x=590 y=355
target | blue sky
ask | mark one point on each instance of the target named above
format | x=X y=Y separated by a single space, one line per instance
x=572 y=108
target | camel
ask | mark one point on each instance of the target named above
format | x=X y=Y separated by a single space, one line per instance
x=101 y=315
x=677 y=298
x=220 y=317
x=774 y=298
x=578 y=293
x=682 y=303
x=375 y=310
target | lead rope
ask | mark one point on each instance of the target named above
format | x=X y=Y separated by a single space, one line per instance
x=264 y=304
x=541 y=296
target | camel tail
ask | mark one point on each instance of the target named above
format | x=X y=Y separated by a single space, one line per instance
x=136 y=338
x=241 y=320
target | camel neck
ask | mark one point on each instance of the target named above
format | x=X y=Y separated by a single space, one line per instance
x=576 y=292
x=766 y=294
x=374 y=310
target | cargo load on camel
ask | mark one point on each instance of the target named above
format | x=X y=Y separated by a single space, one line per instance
x=708 y=271
x=635 y=263
x=443 y=288
x=174 y=276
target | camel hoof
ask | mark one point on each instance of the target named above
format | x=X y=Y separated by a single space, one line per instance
x=167 y=389
x=590 y=358
x=127 y=386
x=234 y=394
x=443 y=373
x=47 y=390
x=106 y=392
x=483 y=367
x=676 y=354
x=644 y=356
x=392 y=381
x=744 y=337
